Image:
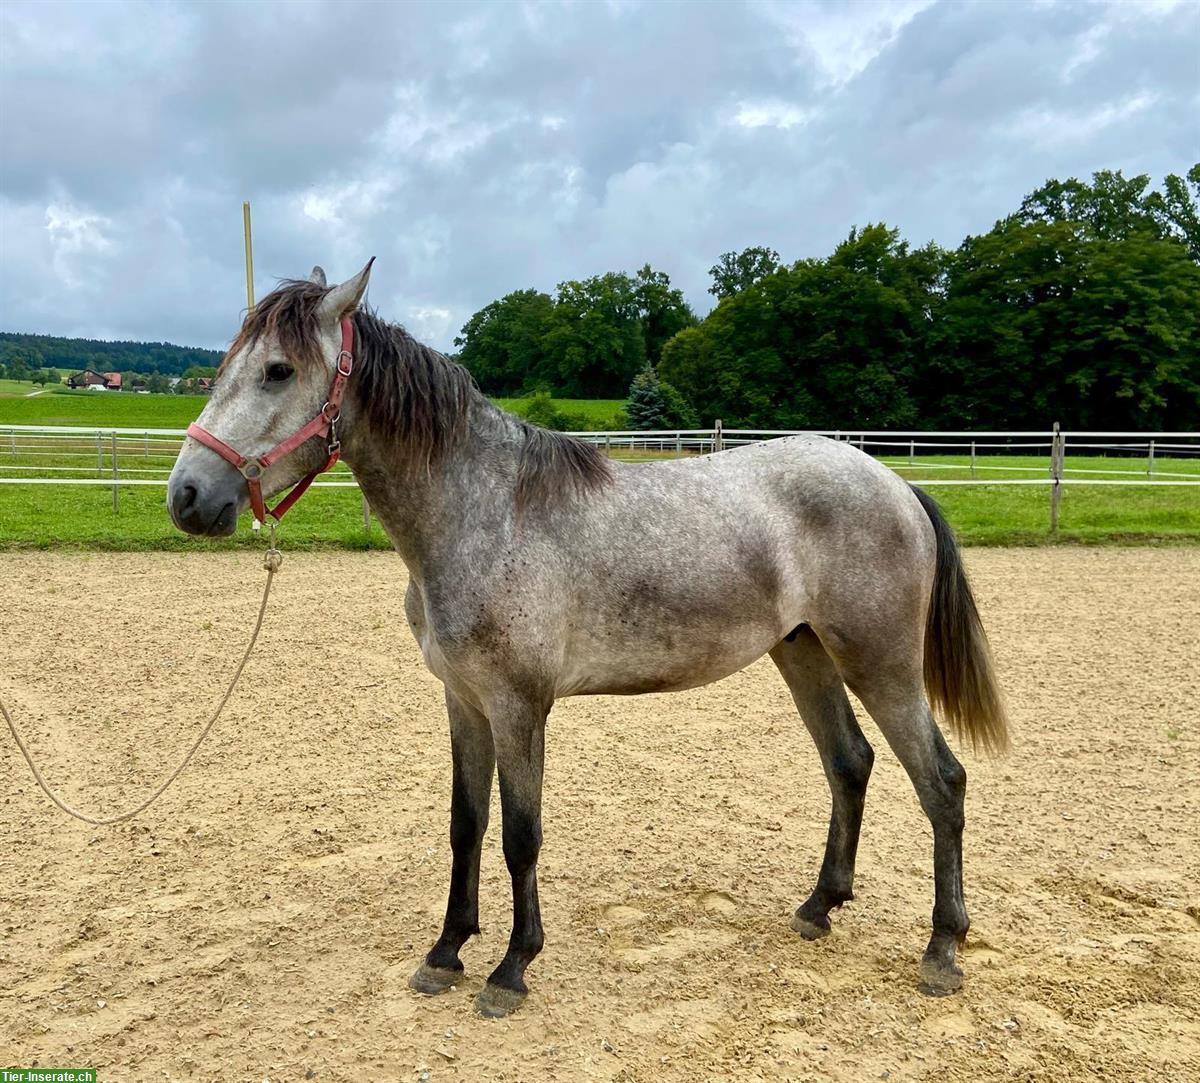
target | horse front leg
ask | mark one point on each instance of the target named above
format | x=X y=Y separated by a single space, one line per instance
x=518 y=731
x=474 y=759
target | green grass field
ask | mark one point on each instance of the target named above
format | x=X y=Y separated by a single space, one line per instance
x=600 y=412
x=19 y=388
x=61 y=406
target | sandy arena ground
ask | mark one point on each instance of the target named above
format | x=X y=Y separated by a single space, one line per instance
x=260 y=922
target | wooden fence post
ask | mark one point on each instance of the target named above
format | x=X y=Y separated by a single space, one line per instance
x=972 y=458
x=718 y=441
x=114 y=473
x=146 y=445
x=366 y=515
x=912 y=450
x=678 y=444
x=1056 y=470
x=1150 y=461
x=99 y=456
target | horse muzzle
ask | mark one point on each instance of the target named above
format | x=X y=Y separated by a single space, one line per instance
x=204 y=508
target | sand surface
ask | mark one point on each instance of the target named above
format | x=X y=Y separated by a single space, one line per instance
x=260 y=922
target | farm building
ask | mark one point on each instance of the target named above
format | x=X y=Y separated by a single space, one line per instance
x=96 y=381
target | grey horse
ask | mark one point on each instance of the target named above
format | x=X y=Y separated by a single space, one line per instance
x=540 y=569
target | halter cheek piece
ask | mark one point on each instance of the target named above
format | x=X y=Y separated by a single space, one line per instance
x=324 y=425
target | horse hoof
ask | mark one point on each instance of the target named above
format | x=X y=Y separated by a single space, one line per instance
x=939 y=979
x=434 y=979
x=810 y=930
x=495 y=1002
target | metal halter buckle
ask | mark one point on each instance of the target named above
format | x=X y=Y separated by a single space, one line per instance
x=349 y=365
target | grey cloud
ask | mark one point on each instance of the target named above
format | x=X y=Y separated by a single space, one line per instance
x=480 y=148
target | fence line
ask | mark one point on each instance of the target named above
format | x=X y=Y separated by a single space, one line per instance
x=105 y=449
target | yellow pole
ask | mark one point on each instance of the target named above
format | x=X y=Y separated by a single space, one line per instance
x=249 y=256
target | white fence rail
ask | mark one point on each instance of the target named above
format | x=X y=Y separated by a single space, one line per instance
x=119 y=457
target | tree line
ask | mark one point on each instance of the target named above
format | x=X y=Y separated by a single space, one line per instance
x=1082 y=306
x=22 y=355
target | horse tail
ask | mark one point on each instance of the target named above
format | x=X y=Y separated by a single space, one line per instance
x=959 y=676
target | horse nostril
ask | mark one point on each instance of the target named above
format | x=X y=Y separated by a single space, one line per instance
x=181 y=500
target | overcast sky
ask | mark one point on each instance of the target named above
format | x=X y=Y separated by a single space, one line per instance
x=476 y=149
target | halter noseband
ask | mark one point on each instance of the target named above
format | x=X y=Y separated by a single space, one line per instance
x=324 y=425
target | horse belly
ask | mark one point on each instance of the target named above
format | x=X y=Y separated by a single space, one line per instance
x=616 y=665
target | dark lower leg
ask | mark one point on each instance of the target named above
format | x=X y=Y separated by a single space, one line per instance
x=940 y=973
x=468 y=822
x=901 y=710
x=473 y=756
x=846 y=757
x=848 y=770
x=519 y=757
x=522 y=840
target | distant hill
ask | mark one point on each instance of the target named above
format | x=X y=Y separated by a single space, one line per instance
x=73 y=354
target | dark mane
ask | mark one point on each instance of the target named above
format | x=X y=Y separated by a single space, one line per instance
x=290 y=313
x=408 y=391
x=412 y=394
x=552 y=461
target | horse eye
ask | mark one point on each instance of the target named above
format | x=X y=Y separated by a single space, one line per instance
x=277 y=373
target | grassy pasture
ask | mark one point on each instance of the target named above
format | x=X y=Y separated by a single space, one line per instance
x=61 y=406
x=597 y=411
x=19 y=388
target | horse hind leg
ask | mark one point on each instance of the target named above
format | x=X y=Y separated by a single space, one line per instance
x=846 y=757
x=887 y=677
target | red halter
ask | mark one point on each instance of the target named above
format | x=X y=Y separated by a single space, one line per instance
x=323 y=425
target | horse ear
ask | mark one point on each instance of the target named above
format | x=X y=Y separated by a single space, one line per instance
x=344 y=299
x=317 y=278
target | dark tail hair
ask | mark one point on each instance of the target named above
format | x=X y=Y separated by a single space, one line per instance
x=959 y=677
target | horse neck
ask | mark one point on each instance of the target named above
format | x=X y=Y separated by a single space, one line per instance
x=427 y=510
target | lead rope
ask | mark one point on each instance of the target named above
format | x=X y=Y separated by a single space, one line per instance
x=273 y=558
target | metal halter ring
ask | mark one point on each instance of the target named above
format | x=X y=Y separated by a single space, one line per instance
x=251 y=469
x=325 y=414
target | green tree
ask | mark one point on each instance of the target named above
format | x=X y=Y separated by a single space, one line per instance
x=655 y=404
x=736 y=271
x=823 y=344
x=1175 y=209
x=587 y=341
x=539 y=409
x=596 y=344
x=1113 y=207
x=663 y=310
x=502 y=344
x=1042 y=323
x=74 y=354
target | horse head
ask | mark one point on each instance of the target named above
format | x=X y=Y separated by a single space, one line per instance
x=274 y=384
